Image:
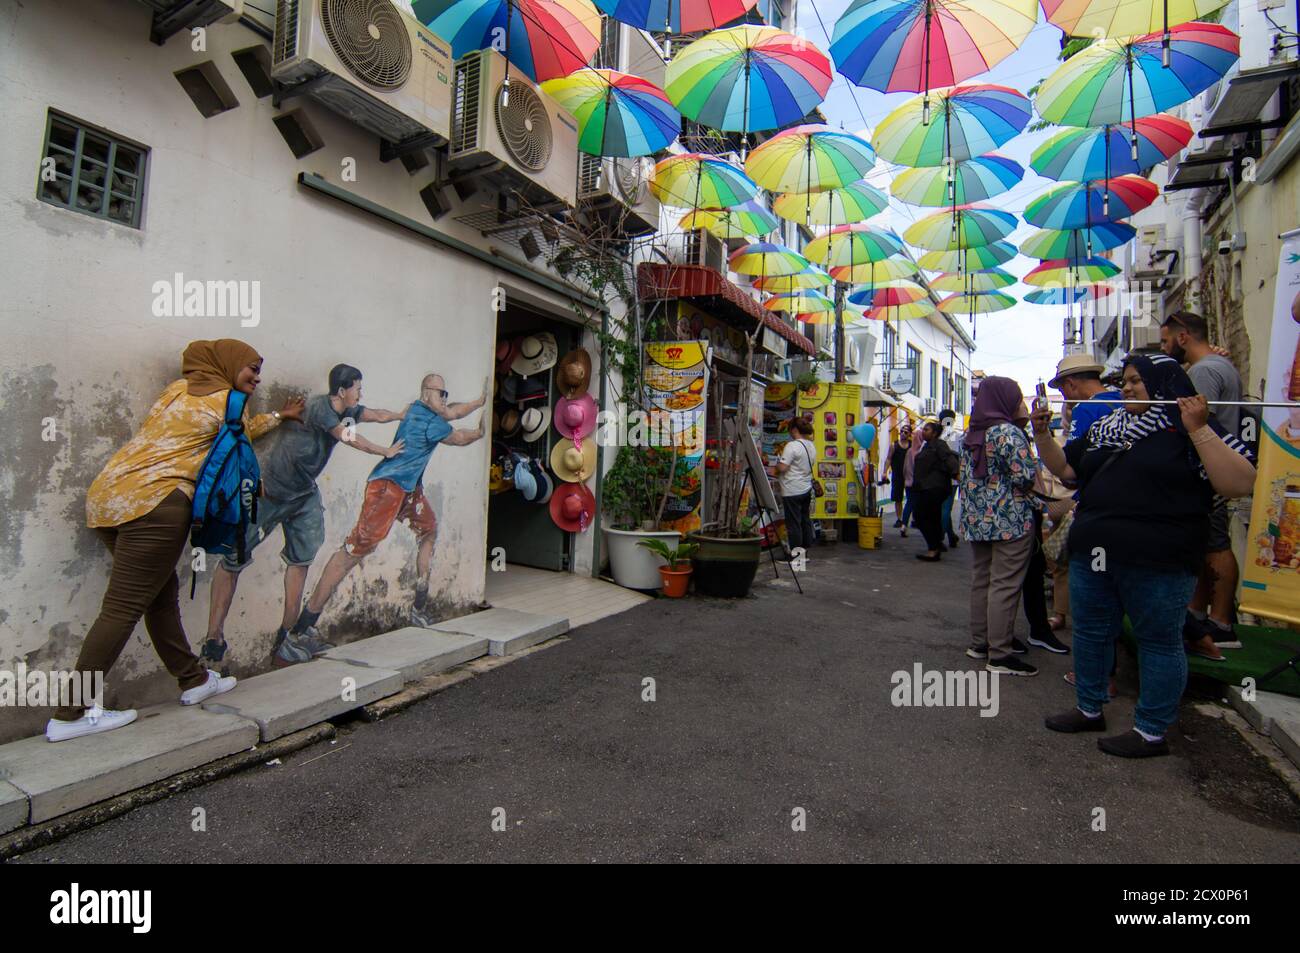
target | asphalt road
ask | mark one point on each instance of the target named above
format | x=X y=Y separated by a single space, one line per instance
x=763 y=706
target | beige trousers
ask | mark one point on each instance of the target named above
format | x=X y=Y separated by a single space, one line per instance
x=998 y=576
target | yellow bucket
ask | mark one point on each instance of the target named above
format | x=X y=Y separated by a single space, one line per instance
x=871 y=529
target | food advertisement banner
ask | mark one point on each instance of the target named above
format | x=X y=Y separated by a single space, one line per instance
x=676 y=382
x=834 y=410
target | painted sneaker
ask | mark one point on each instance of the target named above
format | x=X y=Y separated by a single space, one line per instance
x=92 y=722
x=311 y=640
x=215 y=685
x=291 y=651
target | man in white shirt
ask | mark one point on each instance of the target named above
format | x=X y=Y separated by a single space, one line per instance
x=795 y=470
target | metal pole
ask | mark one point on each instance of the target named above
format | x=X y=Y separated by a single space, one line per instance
x=839 y=332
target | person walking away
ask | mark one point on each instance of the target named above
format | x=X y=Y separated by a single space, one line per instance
x=909 y=477
x=140 y=507
x=997 y=475
x=952 y=436
x=1147 y=478
x=936 y=466
x=1208 y=626
x=795 y=470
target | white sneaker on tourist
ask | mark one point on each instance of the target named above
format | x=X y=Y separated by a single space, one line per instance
x=215 y=685
x=94 y=720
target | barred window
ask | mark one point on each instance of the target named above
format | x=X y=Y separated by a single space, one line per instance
x=91 y=171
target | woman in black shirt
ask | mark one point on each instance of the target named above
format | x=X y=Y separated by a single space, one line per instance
x=1147 y=480
x=898 y=473
x=932 y=474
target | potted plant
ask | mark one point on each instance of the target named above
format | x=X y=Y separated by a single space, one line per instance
x=633 y=496
x=676 y=571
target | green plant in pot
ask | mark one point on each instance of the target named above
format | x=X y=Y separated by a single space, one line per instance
x=676 y=571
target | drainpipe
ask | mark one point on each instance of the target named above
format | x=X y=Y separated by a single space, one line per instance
x=1192 y=250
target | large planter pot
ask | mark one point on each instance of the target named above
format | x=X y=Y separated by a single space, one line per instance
x=725 y=567
x=675 y=581
x=633 y=566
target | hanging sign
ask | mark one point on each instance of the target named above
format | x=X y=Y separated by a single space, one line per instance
x=902 y=380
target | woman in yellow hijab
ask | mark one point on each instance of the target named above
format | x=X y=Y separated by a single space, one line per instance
x=139 y=505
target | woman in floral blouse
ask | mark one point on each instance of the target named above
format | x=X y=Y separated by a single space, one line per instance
x=997 y=478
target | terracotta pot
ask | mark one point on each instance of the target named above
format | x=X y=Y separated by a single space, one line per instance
x=675 y=581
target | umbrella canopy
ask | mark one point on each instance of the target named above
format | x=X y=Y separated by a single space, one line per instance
x=767 y=258
x=986 y=303
x=1068 y=296
x=545 y=39
x=963 y=227
x=800 y=302
x=676 y=16
x=1062 y=273
x=811 y=277
x=969 y=259
x=920 y=308
x=1077 y=243
x=698 y=181
x=897 y=292
x=618 y=114
x=968 y=121
x=853 y=203
x=744 y=221
x=855 y=244
x=959 y=183
x=909 y=46
x=973 y=282
x=875 y=272
x=748 y=78
x=1084 y=204
x=1080 y=155
x=1123 y=18
x=810 y=159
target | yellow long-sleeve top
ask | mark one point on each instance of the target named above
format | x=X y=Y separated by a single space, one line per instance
x=164 y=455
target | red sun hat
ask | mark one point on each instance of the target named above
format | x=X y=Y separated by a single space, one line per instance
x=572 y=507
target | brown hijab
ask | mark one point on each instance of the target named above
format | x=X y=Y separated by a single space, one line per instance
x=212 y=366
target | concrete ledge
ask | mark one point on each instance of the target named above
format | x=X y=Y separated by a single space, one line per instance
x=1267 y=708
x=164 y=740
x=507 y=630
x=292 y=698
x=1286 y=734
x=413 y=651
x=14 y=807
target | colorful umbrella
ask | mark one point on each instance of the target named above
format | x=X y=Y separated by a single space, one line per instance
x=1082 y=205
x=898 y=292
x=957 y=183
x=546 y=39
x=1062 y=273
x=1118 y=81
x=971 y=121
x=910 y=46
x=853 y=203
x=800 y=302
x=1080 y=155
x=812 y=277
x=875 y=272
x=767 y=258
x=973 y=259
x=1123 y=18
x=854 y=244
x=973 y=282
x=744 y=221
x=699 y=181
x=963 y=227
x=676 y=16
x=1077 y=243
x=903 y=312
x=1068 y=296
x=810 y=159
x=748 y=78
x=618 y=114
x=985 y=303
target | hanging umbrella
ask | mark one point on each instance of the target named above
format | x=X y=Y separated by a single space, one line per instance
x=1068 y=296
x=1124 y=18
x=1082 y=205
x=800 y=302
x=957 y=183
x=918 y=45
x=1119 y=81
x=1080 y=155
x=811 y=277
x=972 y=259
x=853 y=203
x=969 y=121
x=810 y=159
x=875 y=272
x=697 y=181
x=767 y=258
x=920 y=308
x=618 y=114
x=748 y=78
x=1060 y=272
x=983 y=303
x=1077 y=242
x=676 y=16
x=751 y=219
x=897 y=292
x=963 y=227
x=546 y=39
x=972 y=282
x=854 y=244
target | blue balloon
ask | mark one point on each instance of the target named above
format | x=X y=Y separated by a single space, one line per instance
x=864 y=434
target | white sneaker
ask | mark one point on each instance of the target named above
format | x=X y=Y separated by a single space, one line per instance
x=92 y=722
x=215 y=685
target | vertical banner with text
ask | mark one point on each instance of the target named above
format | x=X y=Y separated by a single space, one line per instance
x=676 y=383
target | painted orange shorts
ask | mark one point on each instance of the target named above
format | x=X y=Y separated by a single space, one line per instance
x=385 y=504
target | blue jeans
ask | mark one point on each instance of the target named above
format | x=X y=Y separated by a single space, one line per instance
x=1155 y=601
x=947 y=511
x=907 y=509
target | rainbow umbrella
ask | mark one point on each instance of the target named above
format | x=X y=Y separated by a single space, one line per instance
x=1080 y=155
x=972 y=120
x=546 y=39
x=800 y=302
x=1084 y=204
x=748 y=78
x=897 y=292
x=875 y=272
x=699 y=181
x=912 y=46
x=853 y=203
x=767 y=258
x=1077 y=242
x=957 y=183
x=974 y=259
x=618 y=114
x=676 y=16
x=1118 y=81
x=1068 y=296
x=810 y=159
x=854 y=244
x=986 y=302
x=963 y=227
x=812 y=277
x=972 y=282
x=1060 y=272
x=743 y=221
x=920 y=308
x=1122 y=18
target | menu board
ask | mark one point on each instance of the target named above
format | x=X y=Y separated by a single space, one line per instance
x=778 y=408
x=676 y=383
x=834 y=410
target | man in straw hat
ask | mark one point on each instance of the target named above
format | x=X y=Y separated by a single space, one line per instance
x=394 y=492
x=1078 y=378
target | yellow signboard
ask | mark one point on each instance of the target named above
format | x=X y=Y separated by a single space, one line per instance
x=834 y=409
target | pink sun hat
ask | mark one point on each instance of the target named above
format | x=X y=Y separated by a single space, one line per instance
x=575 y=417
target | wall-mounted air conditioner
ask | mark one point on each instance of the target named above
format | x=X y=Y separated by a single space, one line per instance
x=367 y=61
x=852 y=355
x=929 y=406
x=170 y=16
x=620 y=188
x=517 y=137
x=704 y=248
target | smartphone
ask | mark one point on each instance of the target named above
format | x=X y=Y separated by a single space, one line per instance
x=1040 y=398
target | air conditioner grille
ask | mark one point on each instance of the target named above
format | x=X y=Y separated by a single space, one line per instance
x=371 y=40
x=630 y=176
x=469 y=76
x=524 y=126
x=588 y=174
x=285 y=42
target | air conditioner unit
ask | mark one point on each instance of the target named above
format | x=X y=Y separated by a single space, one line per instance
x=852 y=355
x=188 y=14
x=705 y=248
x=516 y=137
x=620 y=190
x=929 y=406
x=367 y=61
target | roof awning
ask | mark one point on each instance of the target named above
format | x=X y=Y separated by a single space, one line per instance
x=661 y=282
x=873 y=396
x=1247 y=94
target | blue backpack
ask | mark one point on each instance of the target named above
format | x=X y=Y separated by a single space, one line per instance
x=227 y=487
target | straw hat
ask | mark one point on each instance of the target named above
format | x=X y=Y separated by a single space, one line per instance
x=535 y=421
x=537 y=352
x=574 y=373
x=576 y=417
x=571 y=464
x=1074 y=364
x=573 y=507
x=509 y=422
